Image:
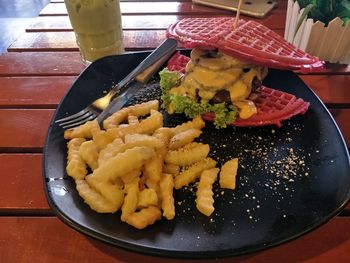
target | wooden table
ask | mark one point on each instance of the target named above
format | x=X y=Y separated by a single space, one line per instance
x=35 y=73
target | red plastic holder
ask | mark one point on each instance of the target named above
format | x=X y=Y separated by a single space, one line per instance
x=250 y=41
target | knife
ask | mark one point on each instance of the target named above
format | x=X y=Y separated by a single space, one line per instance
x=126 y=91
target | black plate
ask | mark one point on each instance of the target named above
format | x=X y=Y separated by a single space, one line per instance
x=290 y=179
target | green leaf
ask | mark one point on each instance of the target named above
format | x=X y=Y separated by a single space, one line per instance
x=323 y=6
x=343 y=10
x=316 y=15
x=325 y=10
x=303 y=3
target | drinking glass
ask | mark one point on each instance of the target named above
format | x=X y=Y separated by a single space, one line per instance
x=97 y=26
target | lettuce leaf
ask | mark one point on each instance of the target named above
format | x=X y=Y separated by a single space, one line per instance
x=168 y=79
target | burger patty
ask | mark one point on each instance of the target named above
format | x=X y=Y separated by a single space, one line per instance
x=224 y=95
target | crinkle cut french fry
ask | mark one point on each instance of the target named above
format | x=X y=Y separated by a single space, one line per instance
x=143 y=140
x=131 y=199
x=103 y=138
x=137 y=110
x=164 y=134
x=76 y=167
x=131 y=141
x=151 y=123
x=193 y=172
x=155 y=186
x=228 y=174
x=181 y=139
x=196 y=123
x=89 y=152
x=153 y=168
x=124 y=125
x=83 y=131
x=132 y=120
x=108 y=190
x=124 y=163
x=205 y=200
x=116 y=118
x=188 y=155
x=147 y=197
x=129 y=177
x=144 y=108
x=112 y=149
x=166 y=189
x=94 y=199
x=146 y=126
x=170 y=168
x=145 y=217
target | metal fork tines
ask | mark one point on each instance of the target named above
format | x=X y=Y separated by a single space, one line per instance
x=87 y=114
x=155 y=60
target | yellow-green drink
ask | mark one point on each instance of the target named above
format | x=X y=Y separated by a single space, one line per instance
x=97 y=26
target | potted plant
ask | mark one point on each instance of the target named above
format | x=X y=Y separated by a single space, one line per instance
x=320 y=27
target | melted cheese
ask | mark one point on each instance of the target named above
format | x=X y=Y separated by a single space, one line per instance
x=258 y=72
x=239 y=91
x=179 y=90
x=219 y=62
x=215 y=79
x=249 y=76
x=246 y=108
x=191 y=86
x=206 y=94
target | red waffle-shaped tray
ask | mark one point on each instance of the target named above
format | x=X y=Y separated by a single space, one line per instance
x=249 y=41
x=178 y=62
x=273 y=107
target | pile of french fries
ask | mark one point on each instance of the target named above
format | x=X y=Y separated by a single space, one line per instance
x=134 y=164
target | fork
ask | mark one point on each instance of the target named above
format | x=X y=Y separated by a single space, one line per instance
x=155 y=59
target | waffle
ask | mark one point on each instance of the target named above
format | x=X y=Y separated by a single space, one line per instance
x=273 y=107
x=178 y=62
x=250 y=41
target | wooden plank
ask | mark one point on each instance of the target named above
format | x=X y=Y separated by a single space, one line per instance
x=22 y=188
x=46 y=92
x=133 y=22
x=46 y=239
x=159 y=7
x=40 y=64
x=341 y=116
x=61 y=23
x=65 y=41
x=146 y=8
x=332 y=89
x=33 y=92
x=23 y=191
x=23 y=130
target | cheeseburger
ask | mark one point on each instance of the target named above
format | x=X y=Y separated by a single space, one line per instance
x=222 y=79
